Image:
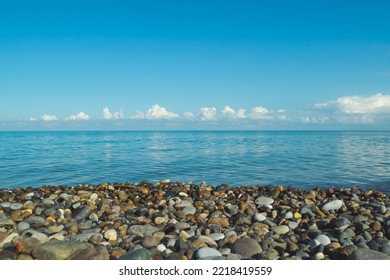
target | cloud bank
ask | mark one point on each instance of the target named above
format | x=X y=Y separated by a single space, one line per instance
x=156 y=112
x=80 y=116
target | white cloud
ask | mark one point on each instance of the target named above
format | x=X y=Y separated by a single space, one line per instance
x=374 y=104
x=48 y=118
x=308 y=119
x=156 y=112
x=232 y=114
x=188 y=115
x=107 y=115
x=80 y=116
x=208 y=113
x=260 y=113
x=33 y=119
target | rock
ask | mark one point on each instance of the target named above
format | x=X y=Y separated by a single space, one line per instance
x=368 y=254
x=259 y=217
x=161 y=248
x=16 y=206
x=189 y=210
x=140 y=254
x=58 y=250
x=332 y=205
x=319 y=256
x=22 y=226
x=376 y=226
x=283 y=229
x=264 y=201
x=223 y=222
x=289 y=215
x=246 y=247
x=142 y=230
x=35 y=221
x=81 y=213
x=150 y=242
x=111 y=235
x=323 y=239
x=206 y=253
x=217 y=236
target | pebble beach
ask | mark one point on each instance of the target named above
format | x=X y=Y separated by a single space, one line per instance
x=185 y=221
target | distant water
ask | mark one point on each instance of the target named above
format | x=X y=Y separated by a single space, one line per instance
x=292 y=158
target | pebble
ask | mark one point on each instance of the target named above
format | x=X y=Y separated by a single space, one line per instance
x=246 y=247
x=217 y=236
x=141 y=254
x=16 y=206
x=161 y=248
x=259 y=217
x=142 y=230
x=283 y=229
x=110 y=235
x=264 y=201
x=58 y=250
x=332 y=205
x=323 y=239
x=206 y=253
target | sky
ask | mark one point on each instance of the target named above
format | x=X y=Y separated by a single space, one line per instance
x=91 y=65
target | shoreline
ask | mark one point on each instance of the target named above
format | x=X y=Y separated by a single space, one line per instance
x=174 y=220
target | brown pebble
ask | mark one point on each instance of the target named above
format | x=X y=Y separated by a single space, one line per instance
x=223 y=222
x=376 y=226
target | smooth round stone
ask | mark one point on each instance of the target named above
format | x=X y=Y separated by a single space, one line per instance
x=283 y=229
x=161 y=248
x=189 y=210
x=319 y=256
x=259 y=217
x=289 y=215
x=22 y=226
x=246 y=247
x=206 y=253
x=140 y=254
x=263 y=201
x=142 y=230
x=110 y=235
x=81 y=212
x=59 y=250
x=150 y=242
x=35 y=221
x=323 y=239
x=16 y=206
x=332 y=205
x=5 y=204
x=48 y=201
x=217 y=236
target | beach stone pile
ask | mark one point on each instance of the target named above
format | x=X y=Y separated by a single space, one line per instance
x=185 y=221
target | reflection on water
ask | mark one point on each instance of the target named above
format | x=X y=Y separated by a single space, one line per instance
x=302 y=159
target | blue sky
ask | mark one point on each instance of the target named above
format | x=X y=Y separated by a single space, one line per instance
x=194 y=64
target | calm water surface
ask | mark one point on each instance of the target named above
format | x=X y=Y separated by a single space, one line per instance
x=301 y=159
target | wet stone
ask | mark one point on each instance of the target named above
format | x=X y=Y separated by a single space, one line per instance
x=16 y=206
x=58 y=250
x=81 y=212
x=141 y=254
x=206 y=253
x=246 y=247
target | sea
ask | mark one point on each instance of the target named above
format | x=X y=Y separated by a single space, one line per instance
x=301 y=159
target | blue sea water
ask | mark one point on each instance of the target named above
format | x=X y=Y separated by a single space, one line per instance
x=302 y=159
